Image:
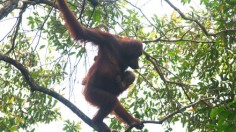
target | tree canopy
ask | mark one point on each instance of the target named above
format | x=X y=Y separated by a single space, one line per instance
x=187 y=74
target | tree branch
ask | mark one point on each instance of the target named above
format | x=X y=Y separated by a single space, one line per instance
x=17 y=27
x=35 y=87
x=197 y=22
x=162 y=33
x=8 y=8
x=158 y=70
x=12 y=4
x=46 y=2
x=171 y=114
x=177 y=40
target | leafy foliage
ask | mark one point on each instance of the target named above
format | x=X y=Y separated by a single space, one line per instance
x=71 y=126
x=187 y=59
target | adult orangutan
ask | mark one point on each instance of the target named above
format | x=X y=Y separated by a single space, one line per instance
x=107 y=77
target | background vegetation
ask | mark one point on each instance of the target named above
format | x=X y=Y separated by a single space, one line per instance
x=188 y=71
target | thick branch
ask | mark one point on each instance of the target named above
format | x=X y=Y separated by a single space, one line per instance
x=46 y=2
x=35 y=87
x=8 y=8
x=12 y=4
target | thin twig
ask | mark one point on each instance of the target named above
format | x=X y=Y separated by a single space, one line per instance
x=177 y=40
x=171 y=114
x=91 y=15
x=82 y=9
x=40 y=29
x=17 y=28
x=197 y=22
x=158 y=70
x=146 y=17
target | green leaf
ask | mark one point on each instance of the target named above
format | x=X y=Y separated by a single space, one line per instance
x=14 y=128
x=214 y=113
x=71 y=53
x=42 y=46
x=171 y=53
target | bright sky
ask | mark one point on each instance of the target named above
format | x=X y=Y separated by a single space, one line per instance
x=151 y=7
